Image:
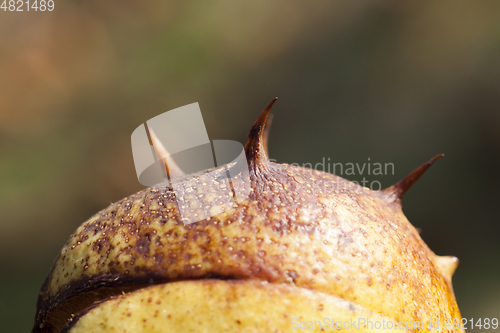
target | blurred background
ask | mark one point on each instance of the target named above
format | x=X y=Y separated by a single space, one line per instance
x=394 y=81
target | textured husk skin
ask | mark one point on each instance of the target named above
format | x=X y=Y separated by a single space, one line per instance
x=300 y=227
x=214 y=306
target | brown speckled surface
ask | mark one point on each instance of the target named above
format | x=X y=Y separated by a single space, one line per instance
x=298 y=226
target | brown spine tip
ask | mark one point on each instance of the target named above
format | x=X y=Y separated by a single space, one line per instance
x=397 y=191
x=172 y=169
x=265 y=134
x=255 y=148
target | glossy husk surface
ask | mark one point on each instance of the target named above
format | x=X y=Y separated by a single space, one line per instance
x=300 y=227
x=305 y=234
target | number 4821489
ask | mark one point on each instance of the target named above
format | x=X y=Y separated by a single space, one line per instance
x=21 y=6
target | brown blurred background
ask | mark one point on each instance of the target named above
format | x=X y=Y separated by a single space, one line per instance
x=393 y=81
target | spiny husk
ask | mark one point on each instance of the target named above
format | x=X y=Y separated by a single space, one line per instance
x=309 y=229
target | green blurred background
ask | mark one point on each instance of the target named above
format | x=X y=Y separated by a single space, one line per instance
x=393 y=81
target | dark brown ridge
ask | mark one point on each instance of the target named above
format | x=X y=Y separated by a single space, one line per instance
x=77 y=316
x=108 y=287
